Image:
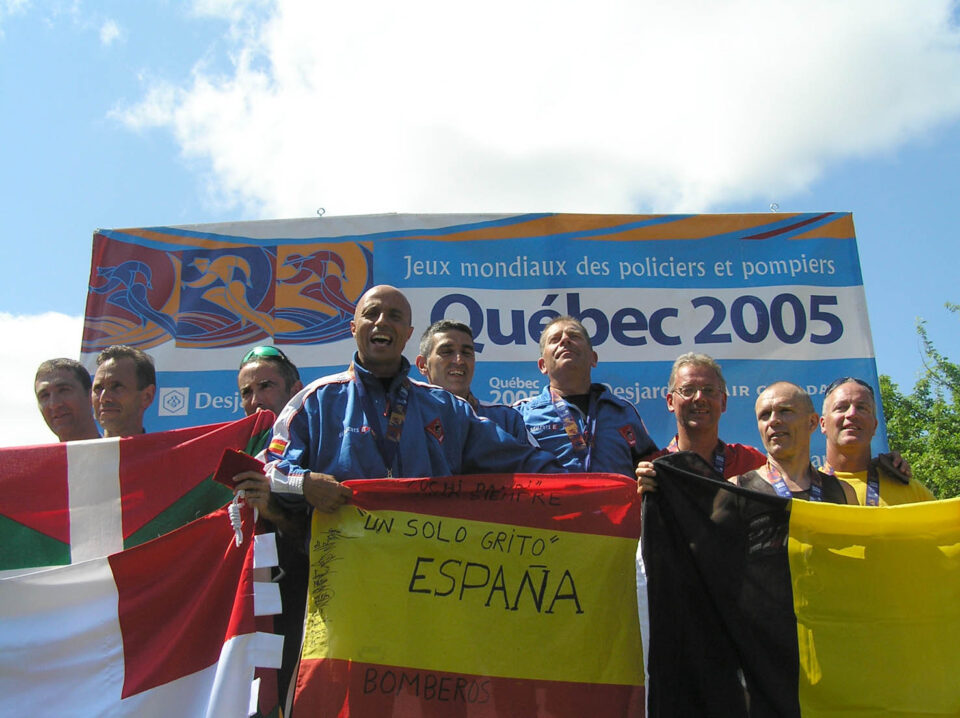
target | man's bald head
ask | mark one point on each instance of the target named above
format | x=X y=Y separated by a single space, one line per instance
x=382 y=291
x=785 y=419
x=789 y=389
x=381 y=326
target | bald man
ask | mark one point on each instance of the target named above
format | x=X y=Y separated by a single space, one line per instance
x=786 y=420
x=350 y=425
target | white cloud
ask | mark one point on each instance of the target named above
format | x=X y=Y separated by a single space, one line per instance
x=109 y=31
x=652 y=105
x=31 y=340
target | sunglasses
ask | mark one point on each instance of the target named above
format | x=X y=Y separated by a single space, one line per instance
x=265 y=351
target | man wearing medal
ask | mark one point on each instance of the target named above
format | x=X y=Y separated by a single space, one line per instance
x=786 y=420
x=697 y=397
x=581 y=423
x=849 y=421
x=350 y=425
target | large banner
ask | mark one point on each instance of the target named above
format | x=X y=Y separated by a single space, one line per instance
x=475 y=596
x=772 y=296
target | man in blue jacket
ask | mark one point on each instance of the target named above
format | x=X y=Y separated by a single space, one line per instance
x=448 y=360
x=581 y=423
x=373 y=421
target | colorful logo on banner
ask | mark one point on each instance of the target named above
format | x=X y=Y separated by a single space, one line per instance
x=318 y=289
x=208 y=297
x=137 y=300
x=226 y=297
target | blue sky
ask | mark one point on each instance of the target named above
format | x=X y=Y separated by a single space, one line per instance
x=120 y=114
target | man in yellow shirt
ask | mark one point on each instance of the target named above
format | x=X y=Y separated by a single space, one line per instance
x=849 y=421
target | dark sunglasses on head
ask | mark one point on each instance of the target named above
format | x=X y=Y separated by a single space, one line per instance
x=845 y=380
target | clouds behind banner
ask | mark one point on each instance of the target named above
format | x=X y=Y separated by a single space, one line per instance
x=435 y=106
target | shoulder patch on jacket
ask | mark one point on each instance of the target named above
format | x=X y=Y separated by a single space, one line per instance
x=626 y=431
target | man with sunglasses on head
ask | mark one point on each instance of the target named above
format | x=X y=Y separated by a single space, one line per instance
x=267 y=380
x=447 y=359
x=849 y=421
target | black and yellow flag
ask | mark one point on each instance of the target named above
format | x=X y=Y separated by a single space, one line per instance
x=762 y=606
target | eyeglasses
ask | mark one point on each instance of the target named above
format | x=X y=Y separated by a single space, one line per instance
x=688 y=391
x=265 y=351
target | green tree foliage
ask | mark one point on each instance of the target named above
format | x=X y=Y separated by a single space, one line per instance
x=924 y=425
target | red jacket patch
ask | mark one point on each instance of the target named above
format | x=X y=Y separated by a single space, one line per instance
x=627 y=433
x=435 y=429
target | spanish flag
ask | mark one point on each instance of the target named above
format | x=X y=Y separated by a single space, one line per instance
x=475 y=596
x=763 y=606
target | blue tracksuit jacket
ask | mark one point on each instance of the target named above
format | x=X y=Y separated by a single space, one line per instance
x=621 y=438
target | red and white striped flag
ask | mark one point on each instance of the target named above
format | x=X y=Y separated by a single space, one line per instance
x=162 y=629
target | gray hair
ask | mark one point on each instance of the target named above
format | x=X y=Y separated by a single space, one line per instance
x=695 y=359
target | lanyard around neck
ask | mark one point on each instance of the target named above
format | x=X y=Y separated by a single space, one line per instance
x=780 y=486
x=719 y=453
x=873 y=483
x=582 y=443
x=387 y=442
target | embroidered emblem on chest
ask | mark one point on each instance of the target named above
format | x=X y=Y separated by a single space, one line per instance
x=435 y=429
